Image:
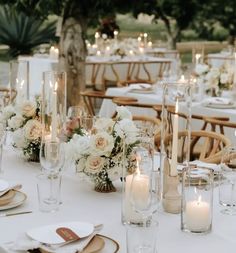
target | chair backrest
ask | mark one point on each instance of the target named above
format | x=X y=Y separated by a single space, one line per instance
x=150 y=71
x=149 y=126
x=7 y=95
x=209 y=147
x=89 y=95
x=219 y=124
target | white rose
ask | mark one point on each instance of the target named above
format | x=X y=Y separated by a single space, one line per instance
x=15 y=122
x=224 y=78
x=104 y=124
x=123 y=113
x=19 y=138
x=102 y=144
x=115 y=173
x=32 y=129
x=201 y=69
x=28 y=108
x=7 y=112
x=127 y=130
x=94 y=164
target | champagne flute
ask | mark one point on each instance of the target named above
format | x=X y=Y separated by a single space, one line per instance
x=227 y=188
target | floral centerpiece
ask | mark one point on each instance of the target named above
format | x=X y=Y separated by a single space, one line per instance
x=215 y=78
x=23 y=121
x=100 y=157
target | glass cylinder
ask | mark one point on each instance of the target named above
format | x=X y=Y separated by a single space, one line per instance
x=140 y=197
x=19 y=80
x=197 y=199
x=174 y=141
x=53 y=104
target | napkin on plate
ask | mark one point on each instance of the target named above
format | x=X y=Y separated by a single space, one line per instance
x=140 y=86
x=22 y=244
x=218 y=101
x=215 y=167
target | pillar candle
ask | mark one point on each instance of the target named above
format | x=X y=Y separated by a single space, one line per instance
x=145 y=35
x=198 y=215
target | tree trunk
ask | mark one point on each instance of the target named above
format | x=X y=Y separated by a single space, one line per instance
x=72 y=58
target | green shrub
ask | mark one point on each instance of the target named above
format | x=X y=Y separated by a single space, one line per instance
x=23 y=33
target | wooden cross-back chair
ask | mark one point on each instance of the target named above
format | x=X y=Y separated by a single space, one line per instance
x=149 y=126
x=211 y=151
x=8 y=95
x=219 y=124
x=138 y=71
x=89 y=95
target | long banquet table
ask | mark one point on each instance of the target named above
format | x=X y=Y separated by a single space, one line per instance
x=82 y=203
x=108 y=108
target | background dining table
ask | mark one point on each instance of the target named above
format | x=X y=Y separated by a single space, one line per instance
x=155 y=97
x=81 y=203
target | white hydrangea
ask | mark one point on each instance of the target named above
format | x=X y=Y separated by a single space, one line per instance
x=79 y=146
x=8 y=112
x=104 y=124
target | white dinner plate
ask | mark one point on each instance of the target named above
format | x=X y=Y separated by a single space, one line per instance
x=220 y=106
x=47 y=234
x=142 y=91
x=3 y=185
x=18 y=200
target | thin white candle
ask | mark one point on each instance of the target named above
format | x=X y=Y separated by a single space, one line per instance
x=197 y=56
x=97 y=36
x=145 y=35
x=115 y=34
x=198 y=215
x=54 y=113
x=174 y=156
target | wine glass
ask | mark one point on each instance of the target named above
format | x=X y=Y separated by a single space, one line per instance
x=75 y=112
x=52 y=160
x=227 y=188
x=51 y=156
x=87 y=123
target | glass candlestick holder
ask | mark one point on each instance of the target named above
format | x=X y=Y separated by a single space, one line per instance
x=197 y=199
x=53 y=104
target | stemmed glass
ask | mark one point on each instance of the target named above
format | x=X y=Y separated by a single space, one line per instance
x=87 y=123
x=52 y=161
x=227 y=188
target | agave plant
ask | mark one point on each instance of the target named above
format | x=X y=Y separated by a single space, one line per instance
x=23 y=33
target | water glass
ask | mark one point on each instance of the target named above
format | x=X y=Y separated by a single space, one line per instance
x=227 y=189
x=75 y=112
x=142 y=237
x=49 y=189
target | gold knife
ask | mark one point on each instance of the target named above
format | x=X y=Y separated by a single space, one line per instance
x=12 y=214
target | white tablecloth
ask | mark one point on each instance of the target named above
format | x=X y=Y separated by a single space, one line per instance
x=81 y=203
x=37 y=65
x=218 y=59
x=108 y=108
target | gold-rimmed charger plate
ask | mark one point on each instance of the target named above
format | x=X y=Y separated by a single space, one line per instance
x=18 y=200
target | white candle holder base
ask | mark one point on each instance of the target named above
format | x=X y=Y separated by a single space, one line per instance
x=171 y=197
